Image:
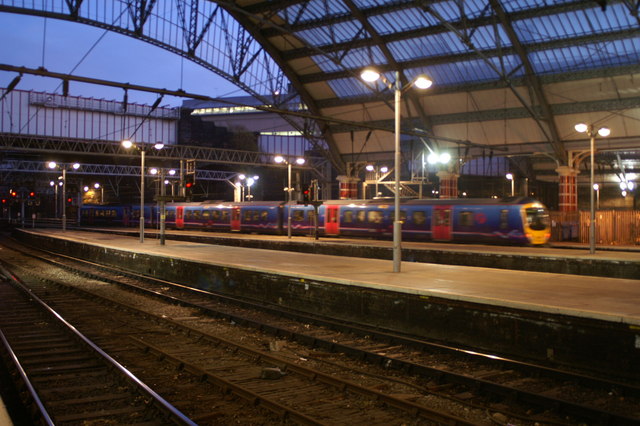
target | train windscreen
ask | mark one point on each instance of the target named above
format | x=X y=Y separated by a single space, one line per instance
x=537 y=218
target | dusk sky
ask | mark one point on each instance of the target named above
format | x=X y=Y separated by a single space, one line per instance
x=115 y=57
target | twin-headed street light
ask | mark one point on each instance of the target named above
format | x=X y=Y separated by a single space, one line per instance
x=75 y=166
x=422 y=82
x=127 y=144
x=299 y=161
x=592 y=132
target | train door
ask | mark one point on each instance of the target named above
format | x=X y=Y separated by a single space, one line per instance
x=180 y=217
x=332 y=221
x=441 y=223
x=235 y=219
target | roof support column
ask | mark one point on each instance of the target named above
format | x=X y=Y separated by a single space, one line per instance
x=568 y=189
x=448 y=184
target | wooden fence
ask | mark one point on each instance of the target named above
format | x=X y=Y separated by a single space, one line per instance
x=613 y=227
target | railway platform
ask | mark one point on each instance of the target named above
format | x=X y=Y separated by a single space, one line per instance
x=563 y=258
x=585 y=321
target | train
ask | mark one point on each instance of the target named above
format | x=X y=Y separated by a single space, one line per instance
x=508 y=221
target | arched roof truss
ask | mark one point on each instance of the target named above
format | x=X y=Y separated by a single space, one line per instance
x=511 y=76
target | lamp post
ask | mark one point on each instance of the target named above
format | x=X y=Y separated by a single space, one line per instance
x=64 y=167
x=55 y=197
x=422 y=82
x=509 y=176
x=592 y=132
x=299 y=161
x=158 y=146
x=250 y=182
x=101 y=188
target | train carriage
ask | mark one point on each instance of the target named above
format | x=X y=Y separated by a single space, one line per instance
x=514 y=220
x=105 y=215
x=213 y=216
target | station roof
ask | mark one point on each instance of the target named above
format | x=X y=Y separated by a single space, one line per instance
x=510 y=77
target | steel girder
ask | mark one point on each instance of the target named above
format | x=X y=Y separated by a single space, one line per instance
x=23 y=166
x=237 y=55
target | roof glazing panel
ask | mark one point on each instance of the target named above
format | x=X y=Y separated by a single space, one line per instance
x=356 y=59
x=313 y=10
x=402 y=20
x=452 y=11
x=511 y=6
x=473 y=71
x=337 y=33
x=585 y=57
x=574 y=23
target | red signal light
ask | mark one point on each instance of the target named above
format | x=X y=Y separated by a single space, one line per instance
x=14 y=194
x=32 y=194
x=69 y=200
x=188 y=184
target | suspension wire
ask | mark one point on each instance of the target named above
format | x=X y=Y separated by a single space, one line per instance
x=72 y=70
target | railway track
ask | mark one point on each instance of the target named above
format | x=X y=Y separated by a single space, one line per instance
x=520 y=390
x=65 y=376
x=172 y=355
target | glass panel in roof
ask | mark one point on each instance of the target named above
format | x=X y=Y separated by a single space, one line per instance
x=593 y=55
x=349 y=87
x=451 y=12
x=574 y=23
x=470 y=71
x=313 y=10
x=402 y=20
x=519 y=5
x=425 y=47
x=337 y=33
x=355 y=59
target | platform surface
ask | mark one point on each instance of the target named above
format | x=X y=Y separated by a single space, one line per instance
x=608 y=299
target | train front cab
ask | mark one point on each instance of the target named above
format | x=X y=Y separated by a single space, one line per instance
x=537 y=224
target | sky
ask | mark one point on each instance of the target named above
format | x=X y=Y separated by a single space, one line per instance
x=114 y=57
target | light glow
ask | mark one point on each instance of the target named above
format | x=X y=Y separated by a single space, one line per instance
x=370 y=75
x=604 y=131
x=423 y=82
x=581 y=127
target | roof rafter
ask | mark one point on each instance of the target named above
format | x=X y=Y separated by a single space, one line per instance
x=546 y=120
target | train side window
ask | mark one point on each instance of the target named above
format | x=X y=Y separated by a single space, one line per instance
x=188 y=215
x=225 y=215
x=466 y=218
x=504 y=219
x=298 y=215
x=206 y=214
x=171 y=214
x=264 y=215
x=348 y=216
x=311 y=215
x=197 y=214
x=403 y=215
x=360 y=216
x=374 y=216
x=215 y=215
x=247 y=215
x=257 y=215
x=419 y=217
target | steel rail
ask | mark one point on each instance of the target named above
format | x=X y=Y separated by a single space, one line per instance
x=165 y=405
x=567 y=407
